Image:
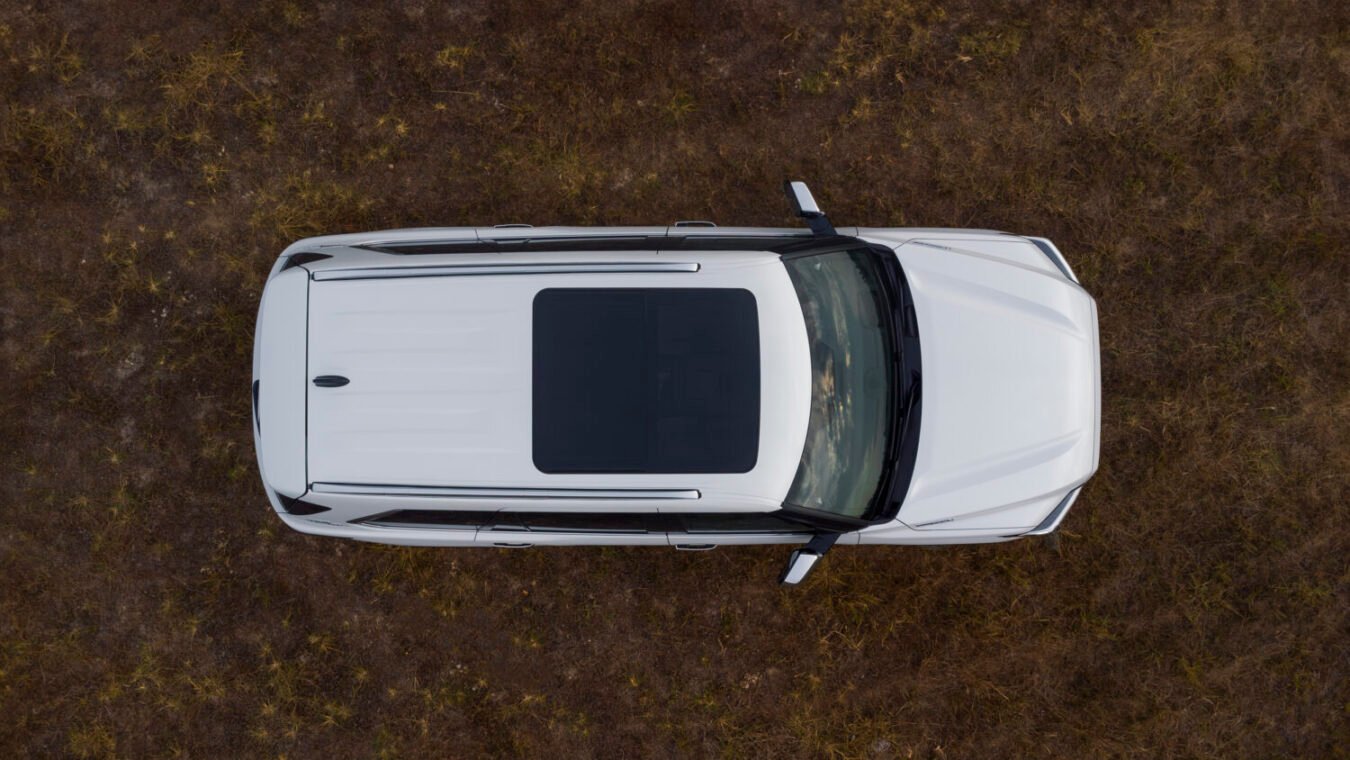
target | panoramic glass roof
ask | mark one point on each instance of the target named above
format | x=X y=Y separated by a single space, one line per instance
x=656 y=380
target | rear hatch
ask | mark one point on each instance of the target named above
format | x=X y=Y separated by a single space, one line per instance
x=279 y=383
x=439 y=372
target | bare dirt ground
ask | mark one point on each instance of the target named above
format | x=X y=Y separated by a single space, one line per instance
x=1191 y=159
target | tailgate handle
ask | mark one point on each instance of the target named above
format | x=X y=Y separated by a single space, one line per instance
x=331 y=381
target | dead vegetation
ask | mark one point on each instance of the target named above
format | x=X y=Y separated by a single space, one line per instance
x=1190 y=159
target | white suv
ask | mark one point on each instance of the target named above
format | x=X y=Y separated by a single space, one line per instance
x=690 y=386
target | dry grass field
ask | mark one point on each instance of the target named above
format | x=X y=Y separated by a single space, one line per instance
x=1192 y=160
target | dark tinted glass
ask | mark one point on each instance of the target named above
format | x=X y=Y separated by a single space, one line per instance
x=646 y=380
x=853 y=385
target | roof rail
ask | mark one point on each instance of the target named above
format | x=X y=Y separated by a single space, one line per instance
x=463 y=270
x=506 y=493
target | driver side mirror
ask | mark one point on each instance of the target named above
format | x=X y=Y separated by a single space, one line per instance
x=804 y=205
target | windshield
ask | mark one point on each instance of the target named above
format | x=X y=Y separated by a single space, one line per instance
x=847 y=316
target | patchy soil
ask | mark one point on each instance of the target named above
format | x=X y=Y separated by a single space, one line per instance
x=1190 y=159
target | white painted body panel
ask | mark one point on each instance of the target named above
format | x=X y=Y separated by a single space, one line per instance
x=1011 y=393
x=279 y=364
x=318 y=526
x=1009 y=404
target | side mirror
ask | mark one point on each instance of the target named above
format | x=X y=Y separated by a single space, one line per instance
x=799 y=565
x=804 y=204
x=803 y=560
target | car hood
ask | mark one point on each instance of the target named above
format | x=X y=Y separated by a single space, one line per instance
x=1011 y=389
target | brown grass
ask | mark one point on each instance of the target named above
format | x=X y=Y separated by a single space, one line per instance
x=1191 y=159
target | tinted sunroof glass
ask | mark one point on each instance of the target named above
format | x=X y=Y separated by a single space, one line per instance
x=646 y=380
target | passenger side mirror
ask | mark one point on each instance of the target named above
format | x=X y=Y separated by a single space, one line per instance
x=804 y=559
x=798 y=567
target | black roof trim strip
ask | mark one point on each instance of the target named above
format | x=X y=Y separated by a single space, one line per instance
x=682 y=523
x=773 y=243
x=296 y=259
x=295 y=506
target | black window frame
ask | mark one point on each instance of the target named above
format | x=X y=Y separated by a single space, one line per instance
x=562 y=244
x=537 y=521
x=740 y=523
x=430 y=518
x=783 y=522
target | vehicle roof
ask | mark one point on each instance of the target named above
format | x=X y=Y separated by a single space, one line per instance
x=442 y=371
